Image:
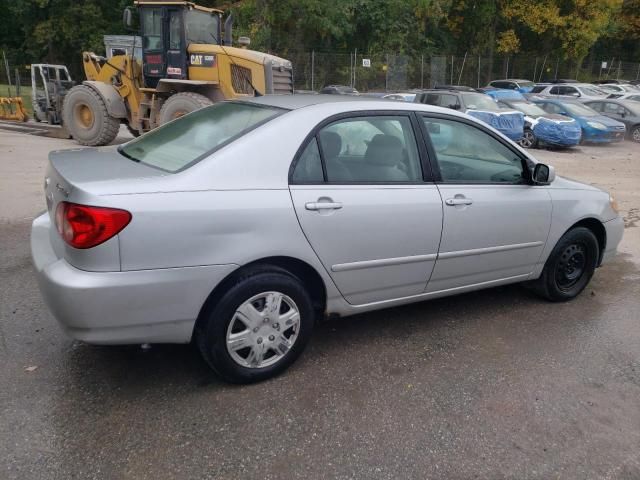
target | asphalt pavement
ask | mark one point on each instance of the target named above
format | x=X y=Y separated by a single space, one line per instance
x=496 y=384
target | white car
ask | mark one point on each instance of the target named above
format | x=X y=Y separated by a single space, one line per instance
x=238 y=225
x=619 y=88
x=583 y=91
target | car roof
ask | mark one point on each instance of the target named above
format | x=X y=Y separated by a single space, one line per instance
x=293 y=102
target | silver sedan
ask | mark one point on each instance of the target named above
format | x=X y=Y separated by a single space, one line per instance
x=238 y=225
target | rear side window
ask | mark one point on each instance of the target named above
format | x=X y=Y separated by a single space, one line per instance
x=183 y=142
x=538 y=89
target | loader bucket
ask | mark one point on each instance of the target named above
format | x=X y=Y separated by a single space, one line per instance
x=12 y=108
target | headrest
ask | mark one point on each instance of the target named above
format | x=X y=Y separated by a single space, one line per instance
x=331 y=144
x=384 y=150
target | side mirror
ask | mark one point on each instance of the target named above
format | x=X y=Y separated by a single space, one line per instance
x=543 y=174
x=574 y=94
x=622 y=113
x=454 y=106
x=127 y=18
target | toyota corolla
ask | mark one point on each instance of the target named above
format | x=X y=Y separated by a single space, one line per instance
x=240 y=224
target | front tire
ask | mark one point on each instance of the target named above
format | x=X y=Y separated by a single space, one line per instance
x=86 y=117
x=528 y=140
x=180 y=104
x=635 y=134
x=257 y=328
x=570 y=266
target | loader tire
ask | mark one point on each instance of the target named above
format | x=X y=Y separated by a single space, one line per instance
x=180 y=104
x=86 y=117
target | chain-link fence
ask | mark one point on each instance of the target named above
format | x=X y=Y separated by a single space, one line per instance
x=389 y=72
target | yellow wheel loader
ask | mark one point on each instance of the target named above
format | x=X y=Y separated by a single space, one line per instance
x=187 y=63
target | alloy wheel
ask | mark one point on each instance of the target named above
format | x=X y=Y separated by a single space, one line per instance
x=528 y=139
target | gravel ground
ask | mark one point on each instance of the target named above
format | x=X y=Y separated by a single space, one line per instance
x=489 y=385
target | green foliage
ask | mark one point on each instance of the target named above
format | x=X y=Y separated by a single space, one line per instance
x=57 y=31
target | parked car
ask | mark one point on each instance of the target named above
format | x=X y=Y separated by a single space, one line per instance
x=339 y=90
x=619 y=88
x=627 y=112
x=540 y=126
x=479 y=105
x=578 y=90
x=522 y=86
x=627 y=96
x=207 y=229
x=403 y=97
x=596 y=128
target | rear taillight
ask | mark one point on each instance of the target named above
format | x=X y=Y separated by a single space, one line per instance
x=83 y=226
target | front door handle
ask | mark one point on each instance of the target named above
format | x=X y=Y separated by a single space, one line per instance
x=323 y=206
x=458 y=201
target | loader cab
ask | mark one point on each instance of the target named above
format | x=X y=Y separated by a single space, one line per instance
x=167 y=29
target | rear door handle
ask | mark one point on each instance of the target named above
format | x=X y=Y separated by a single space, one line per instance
x=458 y=201
x=323 y=206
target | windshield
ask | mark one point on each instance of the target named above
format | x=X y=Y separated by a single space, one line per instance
x=183 y=142
x=202 y=27
x=580 y=110
x=594 y=92
x=529 y=109
x=478 y=101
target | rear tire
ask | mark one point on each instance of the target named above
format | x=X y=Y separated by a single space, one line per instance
x=180 y=104
x=635 y=134
x=86 y=117
x=271 y=340
x=570 y=266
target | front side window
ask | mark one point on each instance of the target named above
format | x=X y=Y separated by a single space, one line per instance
x=151 y=19
x=448 y=101
x=480 y=101
x=175 y=31
x=371 y=149
x=466 y=154
x=183 y=142
x=202 y=27
x=611 y=108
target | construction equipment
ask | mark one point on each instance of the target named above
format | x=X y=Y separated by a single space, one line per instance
x=49 y=85
x=12 y=108
x=187 y=63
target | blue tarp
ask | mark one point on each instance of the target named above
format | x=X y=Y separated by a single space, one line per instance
x=509 y=123
x=505 y=95
x=565 y=133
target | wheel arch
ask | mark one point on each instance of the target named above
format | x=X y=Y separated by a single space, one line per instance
x=111 y=98
x=295 y=267
x=597 y=228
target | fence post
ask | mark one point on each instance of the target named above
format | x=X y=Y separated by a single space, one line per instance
x=313 y=65
x=544 y=62
x=535 y=69
x=638 y=74
x=464 y=60
x=478 y=71
x=355 y=66
x=619 y=68
x=555 y=76
x=421 y=71
x=386 y=74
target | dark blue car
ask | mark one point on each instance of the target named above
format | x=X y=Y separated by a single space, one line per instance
x=596 y=128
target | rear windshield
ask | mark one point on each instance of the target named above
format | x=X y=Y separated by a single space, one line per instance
x=183 y=142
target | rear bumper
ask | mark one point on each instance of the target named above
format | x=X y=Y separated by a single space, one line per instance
x=614 y=229
x=143 y=306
